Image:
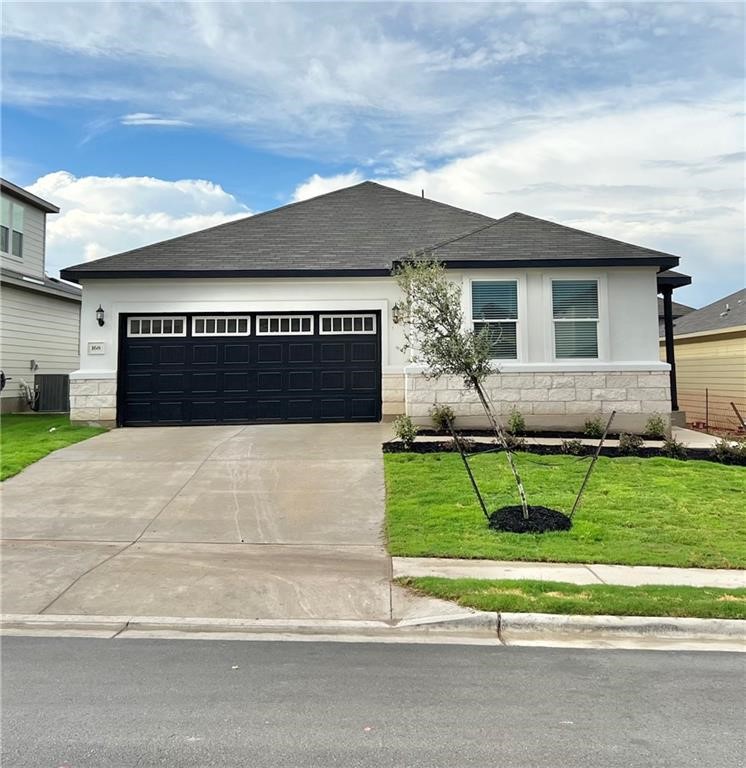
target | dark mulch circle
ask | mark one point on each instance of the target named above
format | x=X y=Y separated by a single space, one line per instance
x=540 y=520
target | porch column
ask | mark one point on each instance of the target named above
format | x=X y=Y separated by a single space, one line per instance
x=667 y=291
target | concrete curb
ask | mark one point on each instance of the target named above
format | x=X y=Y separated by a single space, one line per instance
x=516 y=625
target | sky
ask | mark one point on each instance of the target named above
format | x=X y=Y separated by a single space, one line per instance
x=144 y=121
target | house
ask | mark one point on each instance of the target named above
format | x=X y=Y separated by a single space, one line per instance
x=290 y=315
x=710 y=346
x=39 y=315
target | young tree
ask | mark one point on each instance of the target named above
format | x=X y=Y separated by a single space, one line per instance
x=435 y=335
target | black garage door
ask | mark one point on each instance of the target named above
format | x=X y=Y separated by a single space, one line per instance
x=244 y=368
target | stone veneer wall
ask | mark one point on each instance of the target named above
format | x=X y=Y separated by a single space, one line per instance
x=393 y=394
x=548 y=401
x=93 y=400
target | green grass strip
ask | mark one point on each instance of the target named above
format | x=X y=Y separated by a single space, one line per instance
x=26 y=438
x=528 y=596
x=635 y=511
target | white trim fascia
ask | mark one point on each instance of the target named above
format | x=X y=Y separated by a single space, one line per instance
x=80 y=375
x=704 y=334
x=567 y=367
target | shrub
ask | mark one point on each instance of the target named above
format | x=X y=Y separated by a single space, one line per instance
x=405 y=430
x=515 y=443
x=516 y=422
x=729 y=451
x=655 y=427
x=630 y=445
x=441 y=415
x=593 y=428
x=572 y=447
x=673 y=449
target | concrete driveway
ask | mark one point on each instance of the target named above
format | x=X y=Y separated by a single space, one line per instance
x=257 y=522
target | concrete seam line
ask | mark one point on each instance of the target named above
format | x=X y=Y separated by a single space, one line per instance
x=500 y=628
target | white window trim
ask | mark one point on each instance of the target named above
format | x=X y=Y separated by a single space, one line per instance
x=362 y=315
x=156 y=335
x=521 y=334
x=204 y=334
x=259 y=318
x=602 y=323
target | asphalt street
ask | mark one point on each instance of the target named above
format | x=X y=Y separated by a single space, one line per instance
x=87 y=702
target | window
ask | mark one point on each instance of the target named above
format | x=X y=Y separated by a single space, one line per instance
x=220 y=325
x=156 y=326
x=11 y=228
x=284 y=325
x=494 y=309
x=336 y=324
x=575 y=317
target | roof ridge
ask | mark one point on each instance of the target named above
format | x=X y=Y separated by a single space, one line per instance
x=443 y=243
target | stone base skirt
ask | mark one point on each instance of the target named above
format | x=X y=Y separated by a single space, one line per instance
x=548 y=401
x=93 y=401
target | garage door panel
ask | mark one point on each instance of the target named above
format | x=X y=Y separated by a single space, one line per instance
x=273 y=378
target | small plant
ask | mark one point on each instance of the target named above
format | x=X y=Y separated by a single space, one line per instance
x=655 y=427
x=729 y=451
x=673 y=449
x=514 y=443
x=406 y=430
x=593 y=428
x=572 y=447
x=442 y=415
x=516 y=422
x=630 y=445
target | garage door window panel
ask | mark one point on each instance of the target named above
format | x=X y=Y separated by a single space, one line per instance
x=221 y=325
x=148 y=327
x=284 y=325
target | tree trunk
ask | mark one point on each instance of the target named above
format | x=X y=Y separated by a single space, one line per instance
x=500 y=434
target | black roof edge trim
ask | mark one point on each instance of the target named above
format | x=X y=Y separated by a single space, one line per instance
x=541 y=263
x=674 y=281
x=77 y=275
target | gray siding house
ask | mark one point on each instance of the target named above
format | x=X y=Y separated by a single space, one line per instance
x=39 y=315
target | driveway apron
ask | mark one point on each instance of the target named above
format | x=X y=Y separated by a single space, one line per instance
x=271 y=521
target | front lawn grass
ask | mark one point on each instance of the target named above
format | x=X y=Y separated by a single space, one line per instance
x=25 y=438
x=635 y=511
x=519 y=596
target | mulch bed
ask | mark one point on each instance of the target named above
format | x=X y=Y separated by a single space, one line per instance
x=448 y=446
x=540 y=520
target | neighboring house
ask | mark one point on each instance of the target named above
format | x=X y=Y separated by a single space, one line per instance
x=710 y=346
x=291 y=315
x=39 y=315
x=678 y=310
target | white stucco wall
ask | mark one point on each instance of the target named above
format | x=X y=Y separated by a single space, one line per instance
x=628 y=327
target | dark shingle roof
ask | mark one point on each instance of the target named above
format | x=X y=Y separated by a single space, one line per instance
x=364 y=229
x=728 y=312
x=679 y=310
x=42 y=285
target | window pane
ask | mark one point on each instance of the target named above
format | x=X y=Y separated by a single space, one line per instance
x=221 y=325
x=156 y=326
x=494 y=300
x=232 y=325
x=144 y=326
x=284 y=324
x=4 y=239
x=210 y=325
x=243 y=326
x=134 y=327
x=168 y=326
x=575 y=298
x=274 y=325
x=263 y=325
x=502 y=338
x=368 y=324
x=17 y=244
x=306 y=325
x=199 y=325
x=18 y=217
x=326 y=324
x=178 y=326
x=337 y=323
x=576 y=339
x=357 y=324
x=5 y=213
x=295 y=325
x=347 y=323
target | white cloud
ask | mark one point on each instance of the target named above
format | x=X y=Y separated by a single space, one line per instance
x=146 y=118
x=100 y=216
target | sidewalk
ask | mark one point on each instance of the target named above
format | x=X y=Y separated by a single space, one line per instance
x=574 y=573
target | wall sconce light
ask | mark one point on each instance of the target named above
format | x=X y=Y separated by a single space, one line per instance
x=397 y=313
x=100 y=315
